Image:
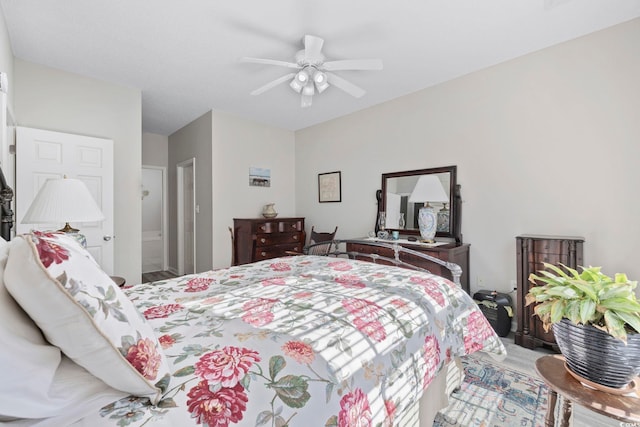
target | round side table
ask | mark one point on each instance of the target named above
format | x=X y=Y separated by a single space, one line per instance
x=552 y=371
x=120 y=281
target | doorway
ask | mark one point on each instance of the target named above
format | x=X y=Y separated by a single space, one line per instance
x=186 y=185
x=43 y=154
x=154 y=219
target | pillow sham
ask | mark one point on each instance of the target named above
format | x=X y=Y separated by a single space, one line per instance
x=81 y=311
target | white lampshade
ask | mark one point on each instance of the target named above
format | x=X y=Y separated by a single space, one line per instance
x=63 y=200
x=428 y=189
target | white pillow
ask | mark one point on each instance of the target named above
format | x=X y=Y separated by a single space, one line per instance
x=27 y=361
x=81 y=310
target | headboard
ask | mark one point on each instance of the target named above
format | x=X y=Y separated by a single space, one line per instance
x=6 y=214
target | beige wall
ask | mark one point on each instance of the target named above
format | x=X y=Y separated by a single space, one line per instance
x=225 y=147
x=155 y=149
x=55 y=100
x=239 y=144
x=547 y=143
x=192 y=141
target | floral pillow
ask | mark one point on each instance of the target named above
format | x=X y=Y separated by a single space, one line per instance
x=81 y=310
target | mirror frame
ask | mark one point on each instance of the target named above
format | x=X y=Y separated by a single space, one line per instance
x=454 y=201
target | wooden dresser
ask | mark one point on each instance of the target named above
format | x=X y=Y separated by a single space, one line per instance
x=451 y=252
x=532 y=251
x=256 y=239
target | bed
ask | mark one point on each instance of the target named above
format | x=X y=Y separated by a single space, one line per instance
x=293 y=341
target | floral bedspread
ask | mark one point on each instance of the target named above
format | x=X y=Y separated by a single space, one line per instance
x=300 y=341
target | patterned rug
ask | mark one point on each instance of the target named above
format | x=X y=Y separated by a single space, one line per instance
x=494 y=396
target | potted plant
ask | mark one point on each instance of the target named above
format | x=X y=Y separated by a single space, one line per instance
x=596 y=321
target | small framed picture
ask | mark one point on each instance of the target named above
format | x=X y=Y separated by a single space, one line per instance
x=329 y=187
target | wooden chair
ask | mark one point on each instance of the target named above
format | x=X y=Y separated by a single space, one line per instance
x=315 y=238
x=233 y=247
x=319 y=237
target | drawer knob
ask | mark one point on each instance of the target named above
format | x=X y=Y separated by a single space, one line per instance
x=262 y=227
x=295 y=237
x=263 y=240
x=263 y=253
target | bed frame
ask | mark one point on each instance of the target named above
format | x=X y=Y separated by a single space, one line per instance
x=6 y=214
x=401 y=255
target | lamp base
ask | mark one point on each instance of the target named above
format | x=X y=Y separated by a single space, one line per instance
x=427 y=223
x=68 y=229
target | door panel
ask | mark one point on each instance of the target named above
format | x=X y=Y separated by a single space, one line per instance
x=41 y=155
x=153 y=219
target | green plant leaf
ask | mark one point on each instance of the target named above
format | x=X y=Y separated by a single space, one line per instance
x=615 y=325
x=572 y=310
x=615 y=290
x=557 y=311
x=621 y=304
x=585 y=288
x=587 y=311
x=631 y=319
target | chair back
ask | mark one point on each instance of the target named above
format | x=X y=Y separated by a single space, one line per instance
x=320 y=237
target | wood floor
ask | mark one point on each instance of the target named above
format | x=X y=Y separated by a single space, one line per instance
x=154 y=276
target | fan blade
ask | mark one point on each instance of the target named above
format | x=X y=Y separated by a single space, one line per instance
x=313 y=48
x=353 y=64
x=269 y=62
x=272 y=84
x=346 y=86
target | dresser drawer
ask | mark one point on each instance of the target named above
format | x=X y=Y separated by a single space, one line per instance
x=283 y=226
x=256 y=239
x=266 y=227
x=277 y=238
x=548 y=247
x=268 y=252
x=287 y=226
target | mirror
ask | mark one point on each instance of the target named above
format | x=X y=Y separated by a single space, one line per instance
x=401 y=214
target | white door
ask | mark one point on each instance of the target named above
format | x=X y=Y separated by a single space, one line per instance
x=153 y=219
x=42 y=154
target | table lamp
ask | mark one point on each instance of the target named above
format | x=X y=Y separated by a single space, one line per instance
x=61 y=201
x=428 y=189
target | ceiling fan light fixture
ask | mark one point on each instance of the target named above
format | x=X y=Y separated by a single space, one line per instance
x=322 y=86
x=305 y=101
x=295 y=85
x=303 y=76
x=311 y=74
x=308 y=89
x=319 y=77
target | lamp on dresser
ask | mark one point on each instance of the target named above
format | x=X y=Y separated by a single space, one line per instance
x=61 y=201
x=428 y=189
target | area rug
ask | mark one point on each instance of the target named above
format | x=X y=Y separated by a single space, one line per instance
x=494 y=396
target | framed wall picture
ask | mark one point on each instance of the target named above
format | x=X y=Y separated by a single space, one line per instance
x=329 y=187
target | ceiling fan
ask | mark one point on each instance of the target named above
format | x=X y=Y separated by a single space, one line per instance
x=313 y=73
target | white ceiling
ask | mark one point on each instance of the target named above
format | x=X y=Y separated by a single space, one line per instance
x=184 y=54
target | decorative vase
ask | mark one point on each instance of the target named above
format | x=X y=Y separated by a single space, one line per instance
x=268 y=211
x=427 y=222
x=595 y=355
